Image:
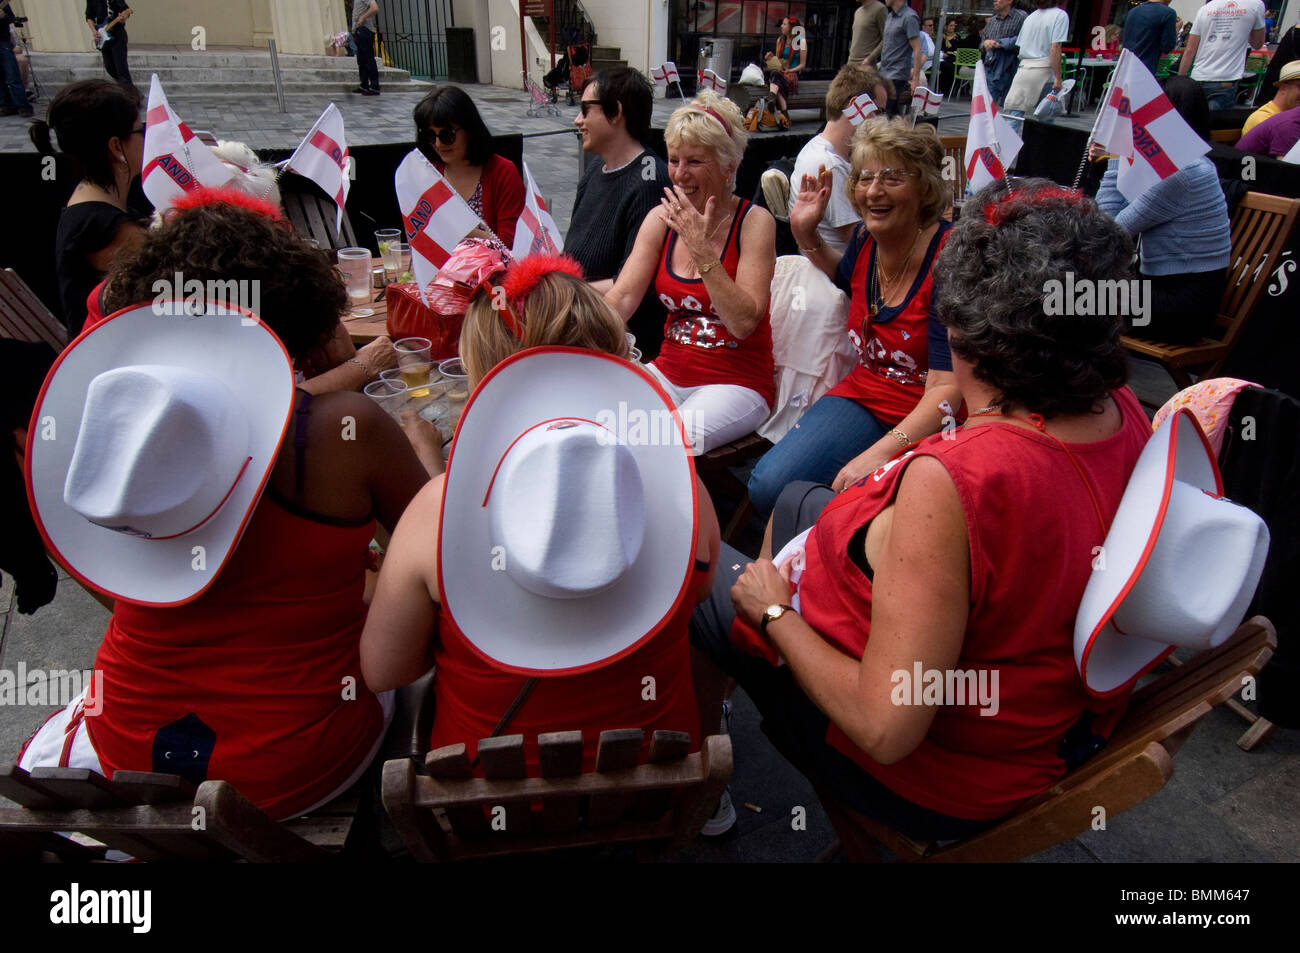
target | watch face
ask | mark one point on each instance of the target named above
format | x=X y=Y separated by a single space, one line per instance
x=775 y=612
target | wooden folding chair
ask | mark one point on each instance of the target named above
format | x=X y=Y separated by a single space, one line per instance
x=450 y=815
x=954 y=147
x=714 y=470
x=313 y=215
x=23 y=317
x=1133 y=766
x=1261 y=228
x=76 y=814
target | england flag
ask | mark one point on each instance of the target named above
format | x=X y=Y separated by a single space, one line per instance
x=860 y=108
x=434 y=215
x=536 y=230
x=926 y=102
x=991 y=143
x=175 y=161
x=713 y=81
x=322 y=156
x=1140 y=125
x=667 y=73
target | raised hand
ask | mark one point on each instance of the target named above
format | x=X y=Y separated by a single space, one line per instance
x=810 y=206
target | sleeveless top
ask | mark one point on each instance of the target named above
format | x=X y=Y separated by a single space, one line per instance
x=899 y=345
x=472 y=695
x=258 y=681
x=1032 y=528
x=698 y=349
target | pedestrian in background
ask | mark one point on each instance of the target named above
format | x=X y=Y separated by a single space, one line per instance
x=363 y=11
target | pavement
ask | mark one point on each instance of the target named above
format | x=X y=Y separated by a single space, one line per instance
x=1222 y=804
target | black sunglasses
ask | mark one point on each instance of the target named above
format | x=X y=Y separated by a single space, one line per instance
x=446 y=136
x=586 y=104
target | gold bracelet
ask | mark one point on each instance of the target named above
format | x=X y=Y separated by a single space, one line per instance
x=903 y=438
x=815 y=248
x=709 y=266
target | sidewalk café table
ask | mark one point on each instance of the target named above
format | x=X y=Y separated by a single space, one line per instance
x=1095 y=63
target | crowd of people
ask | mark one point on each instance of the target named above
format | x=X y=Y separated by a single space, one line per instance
x=978 y=441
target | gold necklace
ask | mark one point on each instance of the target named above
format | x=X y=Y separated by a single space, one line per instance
x=726 y=217
x=888 y=283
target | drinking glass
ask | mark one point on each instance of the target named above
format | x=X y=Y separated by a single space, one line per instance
x=354 y=263
x=404 y=257
x=457 y=386
x=388 y=239
x=388 y=394
x=412 y=350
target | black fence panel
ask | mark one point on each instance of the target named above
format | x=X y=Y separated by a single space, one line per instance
x=414 y=35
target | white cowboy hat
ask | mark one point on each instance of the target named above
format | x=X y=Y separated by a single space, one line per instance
x=150 y=444
x=569 y=513
x=1179 y=566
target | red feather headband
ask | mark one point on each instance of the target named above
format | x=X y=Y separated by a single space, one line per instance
x=206 y=195
x=995 y=211
x=521 y=278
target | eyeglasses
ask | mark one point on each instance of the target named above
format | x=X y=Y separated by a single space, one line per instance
x=889 y=178
x=587 y=104
x=446 y=136
x=138 y=132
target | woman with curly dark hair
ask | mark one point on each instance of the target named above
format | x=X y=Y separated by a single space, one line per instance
x=248 y=682
x=930 y=678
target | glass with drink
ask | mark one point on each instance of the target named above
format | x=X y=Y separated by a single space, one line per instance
x=388 y=239
x=412 y=350
x=354 y=263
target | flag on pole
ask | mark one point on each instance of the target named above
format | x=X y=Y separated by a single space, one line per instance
x=926 y=102
x=434 y=215
x=991 y=143
x=322 y=156
x=1140 y=125
x=536 y=230
x=713 y=80
x=1293 y=155
x=859 y=108
x=667 y=73
x=175 y=160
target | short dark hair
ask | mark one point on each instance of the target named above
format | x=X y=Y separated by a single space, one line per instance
x=84 y=116
x=991 y=280
x=626 y=87
x=1044 y=4
x=1189 y=99
x=451 y=105
x=301 y=293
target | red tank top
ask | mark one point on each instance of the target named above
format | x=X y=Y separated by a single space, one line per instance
x=259 y=663
x=893 y=355
x=698 y=349
x=472 y=695
x=1032 y=529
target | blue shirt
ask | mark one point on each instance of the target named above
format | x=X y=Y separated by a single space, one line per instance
x=896 y=53
x=1182 y=221
x=1149 y=32
x=1000 y=65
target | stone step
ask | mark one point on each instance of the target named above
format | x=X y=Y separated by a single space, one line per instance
x=599 y=64
x=606 y=53
x=146 y=61
x=223 y=77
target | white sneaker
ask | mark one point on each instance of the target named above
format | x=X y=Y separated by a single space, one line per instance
x=723 y=819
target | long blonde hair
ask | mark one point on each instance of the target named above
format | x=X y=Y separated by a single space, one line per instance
x=559 y=310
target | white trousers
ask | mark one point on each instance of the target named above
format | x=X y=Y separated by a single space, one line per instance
x=715 y=414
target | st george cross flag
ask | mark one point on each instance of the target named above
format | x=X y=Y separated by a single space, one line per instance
x=434 y=215
x=1140 y=125
x=859 y=108
x=322 y=156
x=536 y=230
x=926 y=102
x=991 y=143
x=175 y=160
x=713 y=81
x=667 y=73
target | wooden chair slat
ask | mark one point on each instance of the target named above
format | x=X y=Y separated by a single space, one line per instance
x=143 y=787
x=17 y=785
x=619 y=749
x=502 y=759
x=451 y=763
x=560 y=754
x=664 y=746
x=1261 y=226
x=419 y=829
x=24 y=317
x=29 y=846
x=236 y=824
x=79 y=787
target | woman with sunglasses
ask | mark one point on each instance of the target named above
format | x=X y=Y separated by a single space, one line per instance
x=902 y=387
x=451 y=134
x=101 y=138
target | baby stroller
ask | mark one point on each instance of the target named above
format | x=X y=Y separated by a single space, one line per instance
x=573 y=69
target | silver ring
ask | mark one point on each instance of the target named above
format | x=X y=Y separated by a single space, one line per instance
x=677 y=208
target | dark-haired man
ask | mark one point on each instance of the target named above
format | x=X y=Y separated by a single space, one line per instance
x=365 y=14
x=998 y=42
x=623 y=181
x=100 y=13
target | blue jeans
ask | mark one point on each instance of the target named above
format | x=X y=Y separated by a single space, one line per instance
x=833 y=432
x=13 y=93
x=1220 y=95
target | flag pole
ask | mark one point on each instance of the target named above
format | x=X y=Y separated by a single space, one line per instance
x=1087 y=146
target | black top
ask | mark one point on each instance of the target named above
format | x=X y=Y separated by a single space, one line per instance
x=83 y=230
x=103 y=10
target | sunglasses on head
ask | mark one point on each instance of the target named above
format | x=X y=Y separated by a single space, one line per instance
x=446 y=136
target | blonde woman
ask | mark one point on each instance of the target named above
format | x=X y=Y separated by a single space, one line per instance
x=710 y=256
x=411 y=627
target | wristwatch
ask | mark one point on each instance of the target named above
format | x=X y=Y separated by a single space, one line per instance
x=771 y=614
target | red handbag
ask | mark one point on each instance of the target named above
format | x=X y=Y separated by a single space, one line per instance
x=408 y=317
